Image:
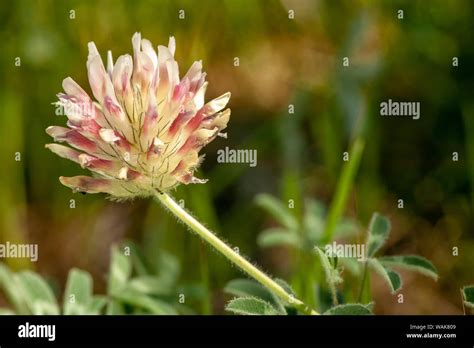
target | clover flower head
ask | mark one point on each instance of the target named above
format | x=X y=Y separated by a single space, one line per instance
x=146 y=126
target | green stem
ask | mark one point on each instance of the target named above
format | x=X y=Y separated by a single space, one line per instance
x=343 y=187
x=230 y=254
x=311 y=281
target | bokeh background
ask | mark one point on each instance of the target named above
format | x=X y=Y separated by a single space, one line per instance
x=282 y=61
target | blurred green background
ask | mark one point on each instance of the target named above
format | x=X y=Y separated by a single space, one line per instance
x=283 y=61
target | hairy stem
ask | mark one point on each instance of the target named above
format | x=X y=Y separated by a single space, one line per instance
x=231 y=254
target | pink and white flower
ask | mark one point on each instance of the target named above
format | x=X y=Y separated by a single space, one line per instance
x=144 y=128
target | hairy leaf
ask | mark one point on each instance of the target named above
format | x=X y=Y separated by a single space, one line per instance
x=250 y=306
x=151 y=304
x=37 y=294
x=78 y=293
x=351 y=265
x=285 y=286
x=248 y=288
x=251 y=288
x=9 y=285
x=413 y=263
x=150 y=285
x=168 y=269
x=277 y=237
x=349 y=309
x=332 y=275
x=120 y=271
x=391 y=277
x=379 y=229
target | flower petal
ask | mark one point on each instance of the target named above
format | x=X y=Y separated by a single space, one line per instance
x=72 y=88
x=64 y=152
x=89 y=184
x=78 y=141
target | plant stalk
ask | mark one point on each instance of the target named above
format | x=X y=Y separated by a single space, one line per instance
x=343 y=188
x=231 y=254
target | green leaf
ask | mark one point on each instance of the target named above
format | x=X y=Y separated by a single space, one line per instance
x=250 y=306
x=168 y=268
x=114 y=307
x=194 y=291
x=247 y=288
x=96 y=304
x=413 y=263
x=139 y=262
x=281 y=305
x=345 y=228
x=151 y=304
x=78 y=292
x=120 y=271
x=349 y=309
x=150 y=285
x=370 y=306
x=379 y=229
x=251 y=288
x=332 y=275
x=391 y=277
x=37 y=294
x=285 y=286
x=278 y=210
x=277 y=237
x=9 y=285
x=351 y=265
x=468 y=295
x=314 y=220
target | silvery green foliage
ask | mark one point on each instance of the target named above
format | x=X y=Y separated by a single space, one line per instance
x=134 y=287
x=251 y=306
x=331 y=271
x=304 y=234
x=78 y=296
x=411 y=262
x=379 y=229
x=251 y=298
x=350 y=309
x=377 y=235
x=29 y=293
